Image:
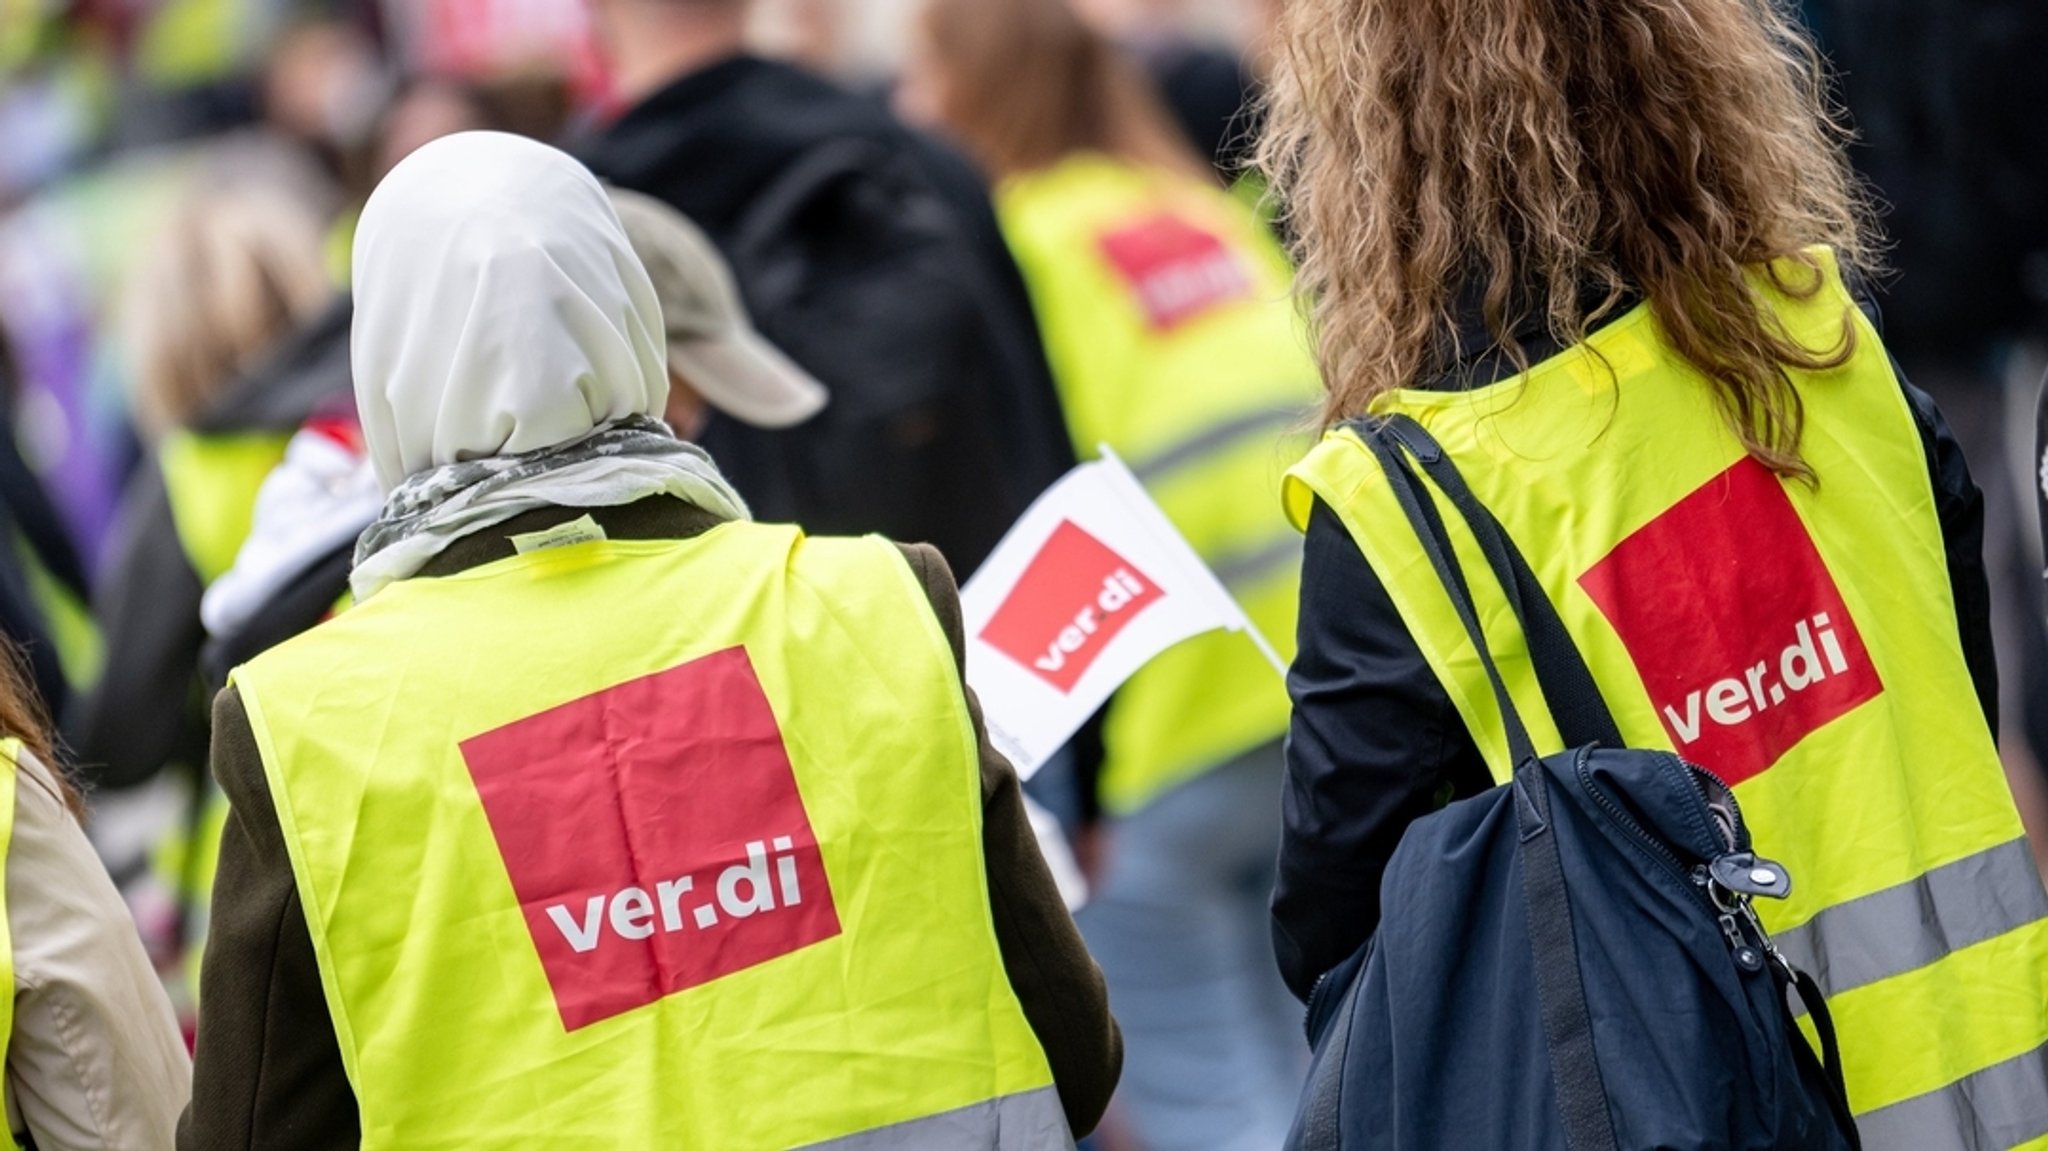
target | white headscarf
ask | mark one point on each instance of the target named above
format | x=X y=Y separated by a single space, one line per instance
x=499 y=308
x=508 y=352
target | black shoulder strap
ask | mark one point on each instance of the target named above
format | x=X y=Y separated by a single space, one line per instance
x=1436 y=545
x=1560 y=987
x=1576 y=705
x=774 y=210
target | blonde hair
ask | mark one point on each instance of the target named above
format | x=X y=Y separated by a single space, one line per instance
x=1558 y=155
x=1026 y=83
x=234 y=270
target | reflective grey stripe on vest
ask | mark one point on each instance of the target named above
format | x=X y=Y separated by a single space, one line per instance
x=1907 y=927
x=1215 y=438
x=1996 y=1109
x=1282 y=555
x=1030 y=1121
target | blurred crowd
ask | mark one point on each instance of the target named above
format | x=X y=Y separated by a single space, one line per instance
x=179 y=183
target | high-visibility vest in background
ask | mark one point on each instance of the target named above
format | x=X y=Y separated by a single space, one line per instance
x=72 y=629
x=1166 y=309
x=192 y=42
x=211 y=479
x=10 y=769
x=652 y=844
x=1798 y=639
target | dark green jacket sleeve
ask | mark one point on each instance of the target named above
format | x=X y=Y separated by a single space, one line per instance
x=267 y=1070
x=1055 y=978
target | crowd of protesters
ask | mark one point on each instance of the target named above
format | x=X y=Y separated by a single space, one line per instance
x=288 y=289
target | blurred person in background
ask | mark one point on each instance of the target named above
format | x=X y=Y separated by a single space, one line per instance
x=1619 y=295
x=1207 y=86
x=43 y=591
x=1946 y=100
x=816 y=35
x=901 y=974
x=1173 y=338
x=324 y=86
x=92 y=1054
x=233 y=330
x=867 y=253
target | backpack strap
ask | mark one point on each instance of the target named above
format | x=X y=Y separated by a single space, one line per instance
x=776 y=208
x=1580 y=711
x=1422 y=516
x=1560 y=987
x=1320 y=1127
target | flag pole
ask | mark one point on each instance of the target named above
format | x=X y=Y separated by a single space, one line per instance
x=1250 y=629
x=1265 y=647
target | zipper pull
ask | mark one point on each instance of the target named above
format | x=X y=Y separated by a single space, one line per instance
x=1745 y=873
x=1770 y=946
x=1746 y=956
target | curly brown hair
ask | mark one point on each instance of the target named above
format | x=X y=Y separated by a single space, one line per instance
x=1557 y=157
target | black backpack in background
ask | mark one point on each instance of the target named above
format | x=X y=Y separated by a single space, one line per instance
x=855 y=267
x=1569 y=962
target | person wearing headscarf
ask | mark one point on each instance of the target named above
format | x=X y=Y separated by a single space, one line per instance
x=608 y=817
x=292 y=571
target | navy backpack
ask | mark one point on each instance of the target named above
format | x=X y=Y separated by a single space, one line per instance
x=1569 y=962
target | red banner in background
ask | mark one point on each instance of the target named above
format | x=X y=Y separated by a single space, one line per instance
x=493 y=39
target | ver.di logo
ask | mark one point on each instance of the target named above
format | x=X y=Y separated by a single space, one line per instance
x=1076 y=596
x=654 y=836
x=1735 y=624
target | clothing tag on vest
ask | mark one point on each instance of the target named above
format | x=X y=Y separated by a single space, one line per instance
x=582 y=530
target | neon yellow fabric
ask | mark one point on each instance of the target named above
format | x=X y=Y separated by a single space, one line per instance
x=10 y=752
x=194 y=41
x=72 y=627
x=1899 y=784
x=212 y=481
x=21 y=27
x=341 y=242
x=1206 y=407
x=439 y=992
x=186 y=860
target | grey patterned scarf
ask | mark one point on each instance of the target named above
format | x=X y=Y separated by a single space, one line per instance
x=619 y=463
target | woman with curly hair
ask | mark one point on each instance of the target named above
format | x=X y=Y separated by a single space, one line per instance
x=1606 y=254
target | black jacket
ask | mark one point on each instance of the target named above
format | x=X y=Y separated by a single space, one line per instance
x=1946 y=101
x=149 y=707
x=1376 y=742
x=872 y=256
x=31 y=522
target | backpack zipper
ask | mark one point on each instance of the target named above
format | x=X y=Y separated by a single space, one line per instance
x=1728 y=908
x=1582 y=762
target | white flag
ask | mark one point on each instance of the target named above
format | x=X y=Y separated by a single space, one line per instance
x=1089 y=586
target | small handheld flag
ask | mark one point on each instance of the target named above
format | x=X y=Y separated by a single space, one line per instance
x=1091 y=584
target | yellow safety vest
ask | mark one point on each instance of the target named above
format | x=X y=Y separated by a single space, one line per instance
x=652 y=844
x=1166 y=311
x=212 y=480
x=10 y=753
x=74 y=632
x=22 y=24
x=191 y=42
x=1800 y=641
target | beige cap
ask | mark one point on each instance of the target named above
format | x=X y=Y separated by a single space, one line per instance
x=711 y=343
